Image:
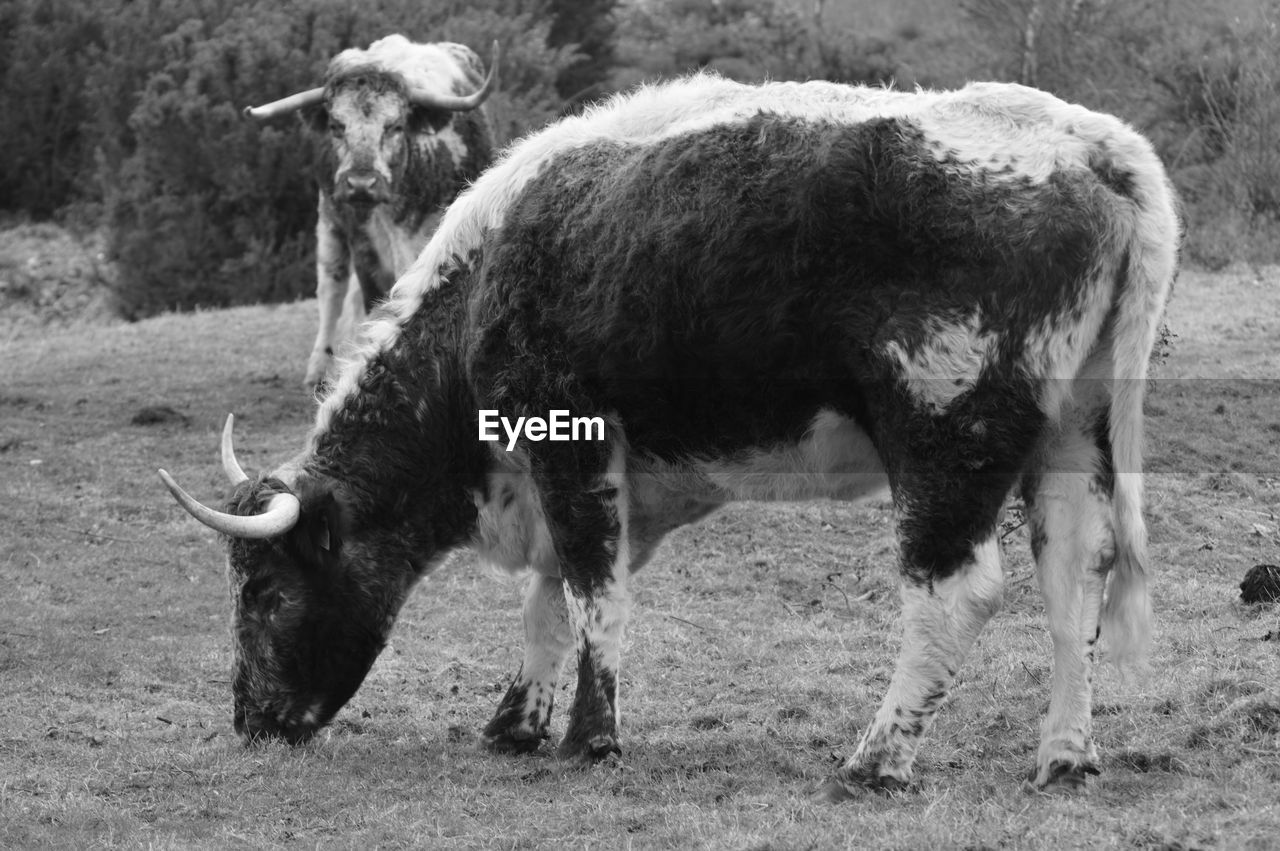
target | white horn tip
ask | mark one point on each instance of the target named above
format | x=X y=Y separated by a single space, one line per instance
x=173 y=486
x=235 y=473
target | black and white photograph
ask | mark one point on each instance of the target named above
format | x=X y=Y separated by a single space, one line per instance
x=640 y=424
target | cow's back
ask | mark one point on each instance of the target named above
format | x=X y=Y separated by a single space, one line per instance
x=759 y=270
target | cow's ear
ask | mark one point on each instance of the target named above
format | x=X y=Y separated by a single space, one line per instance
x=319 y=535
x=427 y=119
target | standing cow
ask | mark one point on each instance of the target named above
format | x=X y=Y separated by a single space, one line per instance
x=777 y=292
x=407 y=134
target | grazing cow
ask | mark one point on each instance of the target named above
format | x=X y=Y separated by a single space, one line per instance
x=407 y=134
x=778 y=292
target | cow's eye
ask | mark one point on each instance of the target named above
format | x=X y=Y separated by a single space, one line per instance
x=336 y=128
x=395 y=129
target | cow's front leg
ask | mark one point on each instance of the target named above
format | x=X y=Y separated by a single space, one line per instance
x=333 y=277
x=941 y=620
x=523 y=719
x=589 y=526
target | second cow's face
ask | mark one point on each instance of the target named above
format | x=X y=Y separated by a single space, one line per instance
x=368 y=122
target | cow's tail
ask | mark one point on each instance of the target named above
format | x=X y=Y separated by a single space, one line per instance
x=1126 y=612
x=1143 y=287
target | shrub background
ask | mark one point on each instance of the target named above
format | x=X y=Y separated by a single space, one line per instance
x=124 y=115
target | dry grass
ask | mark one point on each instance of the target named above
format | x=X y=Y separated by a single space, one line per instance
x=760 y=643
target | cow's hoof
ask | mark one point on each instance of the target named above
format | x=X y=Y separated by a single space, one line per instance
x=849 y=785
x=513 y=741
x=1061 y=777
x=589 y=750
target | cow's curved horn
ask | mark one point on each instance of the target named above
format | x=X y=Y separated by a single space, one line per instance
x=281 y=514
x=462 y=103
x=235 y=473
x=284 y=106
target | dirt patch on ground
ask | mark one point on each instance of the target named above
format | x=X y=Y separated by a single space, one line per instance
x=51 y=278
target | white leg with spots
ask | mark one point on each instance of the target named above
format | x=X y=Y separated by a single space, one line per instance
x=598 y=609
x=939 y=627
x=334 y=279
x=1069 y=508
x=523 y=719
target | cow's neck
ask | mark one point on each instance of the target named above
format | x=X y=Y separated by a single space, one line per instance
x=403 y=448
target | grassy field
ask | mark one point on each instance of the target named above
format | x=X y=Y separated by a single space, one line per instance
x=760 y=643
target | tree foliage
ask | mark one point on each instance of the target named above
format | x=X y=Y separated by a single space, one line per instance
x=127 y=112
x=45 y=51
x=1223 y=94
x=590 y=27
x=747 y=40
x=1204 y=86
x=132 y=107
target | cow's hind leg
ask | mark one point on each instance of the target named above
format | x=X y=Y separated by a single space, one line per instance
x=1068 y=497
x=523 y=719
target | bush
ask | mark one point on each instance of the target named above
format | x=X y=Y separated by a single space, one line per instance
x=127 y=111
x=45 y=53
x=588 y=26
x=207 y=209
x=746 y=40
x=1225 y=94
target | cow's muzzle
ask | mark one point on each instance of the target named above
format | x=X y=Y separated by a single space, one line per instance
x=365 y=188
x=262 y=727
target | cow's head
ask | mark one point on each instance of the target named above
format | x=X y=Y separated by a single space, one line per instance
x=372 y=111
x=313 y=604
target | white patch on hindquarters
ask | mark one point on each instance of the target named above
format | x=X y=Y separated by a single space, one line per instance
x=948 y=364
